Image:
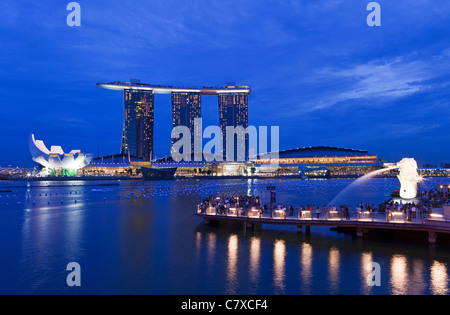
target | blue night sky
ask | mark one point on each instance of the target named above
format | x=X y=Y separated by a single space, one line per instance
x=316 y=69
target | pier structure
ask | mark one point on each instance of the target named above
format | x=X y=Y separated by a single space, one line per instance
x=361 y=221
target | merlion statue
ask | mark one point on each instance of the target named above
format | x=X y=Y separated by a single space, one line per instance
x=409 y=177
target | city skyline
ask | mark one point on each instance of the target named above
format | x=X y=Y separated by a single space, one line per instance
x=316 y=70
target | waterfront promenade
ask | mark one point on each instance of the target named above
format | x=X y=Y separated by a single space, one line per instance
x=362 y=221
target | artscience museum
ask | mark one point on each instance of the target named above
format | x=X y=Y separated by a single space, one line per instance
x=56 y=160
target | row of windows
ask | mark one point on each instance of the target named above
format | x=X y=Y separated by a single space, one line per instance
x=319 y=160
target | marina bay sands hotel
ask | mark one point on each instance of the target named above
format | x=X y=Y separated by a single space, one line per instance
x=138 y=131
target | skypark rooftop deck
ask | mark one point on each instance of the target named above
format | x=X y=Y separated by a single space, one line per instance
x=165 y=89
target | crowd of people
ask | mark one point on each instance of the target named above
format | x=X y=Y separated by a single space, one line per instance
x=411 y=210
x=242 y=205
x=222 y=204
x=436 y=196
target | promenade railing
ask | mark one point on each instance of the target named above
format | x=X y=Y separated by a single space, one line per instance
x=314 y=215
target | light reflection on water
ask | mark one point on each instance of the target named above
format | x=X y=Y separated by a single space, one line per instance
x=155 y=246
x=333 y=270
x=279 y=266
x=399 y=276
x=232 y=272
x=439 y=278
x=366 y=261
x=254 y=267
x=306 y=268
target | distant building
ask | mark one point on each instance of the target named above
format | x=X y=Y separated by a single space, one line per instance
x=137 y=137
x=138 y=130
x=434 y=172
x=312 y=162
x=55 y=161
x=330 y=161
x=186 y=107
x=233 y=112
x=116 y=165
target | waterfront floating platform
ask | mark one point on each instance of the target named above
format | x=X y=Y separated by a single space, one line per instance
x=362 y=222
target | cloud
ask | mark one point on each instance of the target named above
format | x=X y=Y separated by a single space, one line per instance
x=377 y=82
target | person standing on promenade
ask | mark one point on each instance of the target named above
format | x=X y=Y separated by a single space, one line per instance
x=291 y=210
x=310 y=211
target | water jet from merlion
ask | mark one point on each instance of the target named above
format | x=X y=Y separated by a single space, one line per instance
x=408 y=176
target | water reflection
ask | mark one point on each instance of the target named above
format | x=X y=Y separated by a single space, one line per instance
x=211 y=244
x=49 y=235
x=36 y=248
x=399 y=277
x=306 y=263
x=279 y=266
x=366 y=270
x=251 y=188
x=417 y=279
x=232 y=279
x=198 y=243
x=211 y=248
x=148 y=243
x=439 y=278
x=247 y=257
x=135 y=247
x=255 y=257
x=333 y=270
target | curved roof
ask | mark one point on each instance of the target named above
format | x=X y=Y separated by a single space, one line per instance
x=320 y=151
x=163 y=89
x=37 y=146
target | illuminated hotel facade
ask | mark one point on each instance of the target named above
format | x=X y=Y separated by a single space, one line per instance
x=138 y=131
x=186 y=107
x=233 y=111
x=137 y=136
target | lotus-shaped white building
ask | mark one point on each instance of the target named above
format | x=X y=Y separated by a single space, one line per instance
x=55 y=158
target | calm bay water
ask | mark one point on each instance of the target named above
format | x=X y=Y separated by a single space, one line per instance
x=155 y=245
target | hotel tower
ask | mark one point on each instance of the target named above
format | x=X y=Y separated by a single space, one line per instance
x=138 y=133
x=137 y=136
x=186 y=107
